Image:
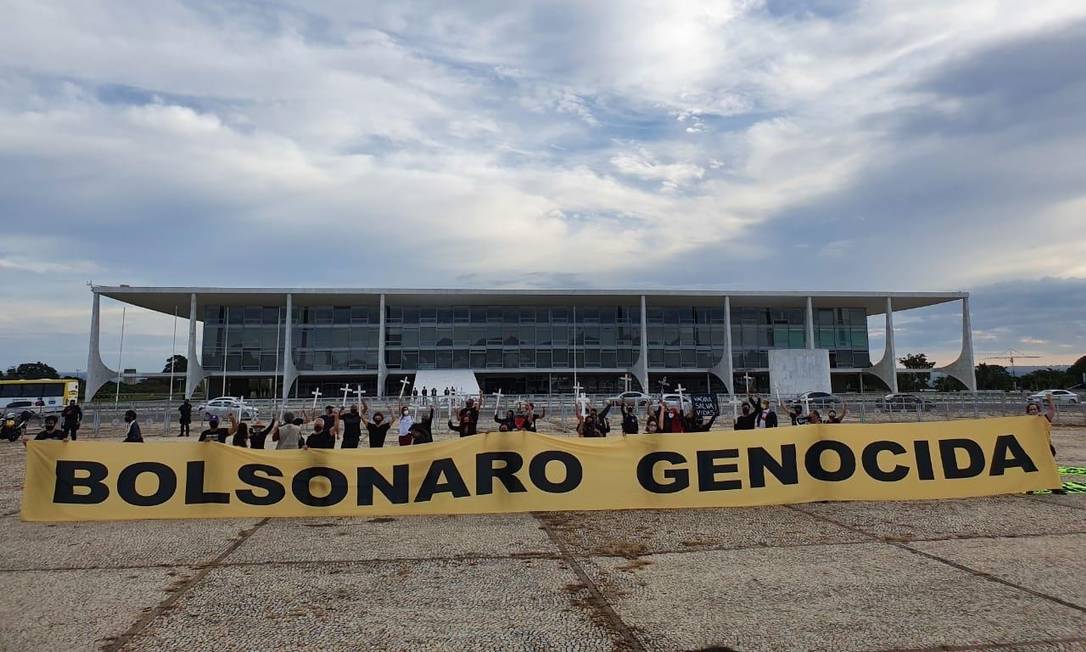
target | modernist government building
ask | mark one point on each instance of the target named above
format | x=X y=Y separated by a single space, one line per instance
x=288 y=342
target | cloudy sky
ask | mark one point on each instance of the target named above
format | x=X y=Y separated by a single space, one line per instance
x=752 y=144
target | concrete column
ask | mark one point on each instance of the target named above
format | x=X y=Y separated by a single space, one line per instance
x=640 y=367
x=290 y=372
x=886 y=369
x=382 y=369
x=98 y=373
x=810 y=324
x=194 y=372
x=723 y=368
x=964 y=368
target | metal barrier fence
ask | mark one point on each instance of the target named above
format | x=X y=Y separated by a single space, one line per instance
x=559 y=411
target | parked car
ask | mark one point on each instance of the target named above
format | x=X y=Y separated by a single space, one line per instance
x=817 y=400
x=224 y=405
x=903 y=402
x=634 y=398
x=1058 y=396
x=672 y=400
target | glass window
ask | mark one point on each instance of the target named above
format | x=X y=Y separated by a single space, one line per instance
x=509 y=337
x=410 y=315
x=494 y=335
x=267 y=338
x=445 y=315
x=493 y=358
x=478 y=315
x=543 y=358
x=341 y=315
x=780 y=337
x=339 y=359
x=410 y=337
x=656 y=358
x=797 y=338
x=672 y=359
x=461 y=336
x=859 y=316
x=560 y=315
x=689 y=357
x=212 y=314
x=511 y=359
x=843 y=339
x=844 y=358
x=322 y=359
x=445 y=359
x=267 y=362
x=543 y=335
x=323 y=314
x=859 y=338
x=235 y=315
x=393 y=336
x=427 y=359
x=460 y=359
x=625 y=357
x=461 y=315
x=654 y=315
x=686 y=336
x=560 y=358
x=825 y=338
x=477 y=359
x=825 y=316
x=358 y=315
x=269 y=315
x=608 y=336
x=608 y=358
x=341 y=337
x=478 y=336
x=427 y=336
x=395 y=314
x=591 y=357
x=428 y=314
x=590 y=336
x=707 y=358
x=444 y=336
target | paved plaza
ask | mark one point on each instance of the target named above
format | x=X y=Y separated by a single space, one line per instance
x=1000 y=573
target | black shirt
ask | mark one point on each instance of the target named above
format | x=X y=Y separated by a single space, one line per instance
x=71 y=416
x=215 y=434
x=322 y=439
x=134 y=434
x=186 y=412
x=745 y=422
x=328 y=420
x=258 y=437
x=472 y=426
x=352 y=426
x=56 y=433
x=421 y=429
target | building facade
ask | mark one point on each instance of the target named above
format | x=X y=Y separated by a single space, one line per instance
x=287 y=342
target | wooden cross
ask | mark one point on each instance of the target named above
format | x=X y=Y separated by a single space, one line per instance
x=403 y=386
x=316 y=395
x=626 y=382
x=346 y=390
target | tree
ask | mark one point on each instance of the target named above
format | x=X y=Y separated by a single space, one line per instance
x=1045 y=379
x=180 y=364
x=994 y=376
x=948 y=384
x=31 y=371
x=914 y=382
x=1077 y=371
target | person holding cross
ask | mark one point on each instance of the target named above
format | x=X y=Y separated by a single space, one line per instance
x=421 y=430
x=406 y=437
x=467 y=418
x=352 y=426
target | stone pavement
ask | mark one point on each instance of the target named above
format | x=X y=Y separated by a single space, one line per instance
x=1000 y=573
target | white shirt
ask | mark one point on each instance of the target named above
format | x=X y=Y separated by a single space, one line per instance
x=406 y=421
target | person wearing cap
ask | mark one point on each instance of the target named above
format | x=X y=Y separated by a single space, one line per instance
x=214 y=432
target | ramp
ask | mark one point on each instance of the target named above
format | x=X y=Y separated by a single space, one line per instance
x=462 y=380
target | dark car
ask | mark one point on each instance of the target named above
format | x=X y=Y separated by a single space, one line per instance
x=902 y=402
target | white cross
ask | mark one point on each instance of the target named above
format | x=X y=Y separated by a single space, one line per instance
x=316 y=395
x=346 y=390
x=403 y=386
x=577 y=389
x=680 y=389
x=498 y=402
x=359 y=392
x=747 y=377
x=626 y=382
x=449 y=401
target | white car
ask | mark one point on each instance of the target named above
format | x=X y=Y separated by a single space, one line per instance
x=634 y=398
x=1058 y=396
x=224 y=405
x=672 y=400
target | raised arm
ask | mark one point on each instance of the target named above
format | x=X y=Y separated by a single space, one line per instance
x=233 y=422
x=1050 y=408
x=660 y=416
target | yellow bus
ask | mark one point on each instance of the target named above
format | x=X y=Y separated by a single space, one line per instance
x=42 y=395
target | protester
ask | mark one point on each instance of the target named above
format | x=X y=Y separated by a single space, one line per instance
x=71 y=418
x=745 y=421
x=51 y=431
x=239 y=432
x=406 y=421
x=530 y=417
x=670 y=419
x=1033 y=410
x=588 y=425
x=186 y=418
x=814 y=417
x=467 y=419
x=766 y=417
x=352 y=427
x=696 y=424
x=602 y=424
x=331 y=420
x=288 y=435
x=507 y=423
x=133 y=433
x=629 y=419
x=831 y=416
x=258 y=433
x=652 y=420
x=421 y=429
x=322 y=436
x=796 y=414
x=214 y=432
x=378 y=428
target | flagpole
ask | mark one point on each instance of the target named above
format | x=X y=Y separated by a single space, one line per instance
x=120 y=358
x=225 y=348
x=275 y=376
x=173 y=353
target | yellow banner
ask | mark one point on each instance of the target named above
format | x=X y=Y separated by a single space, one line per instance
x=523 y=471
